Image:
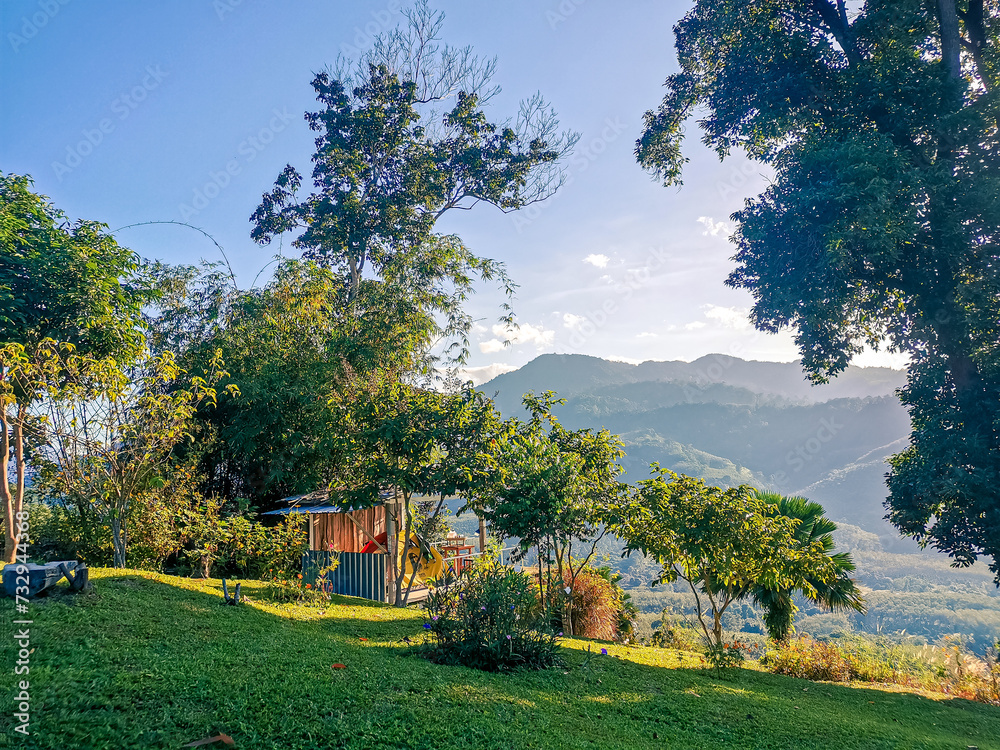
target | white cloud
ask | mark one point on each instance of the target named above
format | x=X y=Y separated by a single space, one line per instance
x=573 y=322
x=646 y=335
x=598 y=260
x=713 y=227
x=523 y=334
x=695 y=325
x=485 y=373
x=728 y=317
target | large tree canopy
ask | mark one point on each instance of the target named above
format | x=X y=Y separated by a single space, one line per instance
x=402 y=139
x=881 y=224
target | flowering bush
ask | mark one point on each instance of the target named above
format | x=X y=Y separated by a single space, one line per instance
x=490 y=620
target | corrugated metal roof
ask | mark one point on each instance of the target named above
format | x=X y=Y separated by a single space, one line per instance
x=305 y=509
x=316 y=502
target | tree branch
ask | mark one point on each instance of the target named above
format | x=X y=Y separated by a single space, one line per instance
x=836 y=21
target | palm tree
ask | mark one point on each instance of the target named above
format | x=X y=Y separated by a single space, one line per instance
x=839 y=594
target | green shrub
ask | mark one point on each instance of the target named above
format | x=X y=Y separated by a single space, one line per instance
x=490 y=620
x=675 y=634
x=809 y=659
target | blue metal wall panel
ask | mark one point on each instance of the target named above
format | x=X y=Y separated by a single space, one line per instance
x=357 y=574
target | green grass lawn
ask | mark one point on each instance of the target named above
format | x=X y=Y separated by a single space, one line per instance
x=153 y=661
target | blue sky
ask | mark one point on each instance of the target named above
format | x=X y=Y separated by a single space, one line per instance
x=128 y=112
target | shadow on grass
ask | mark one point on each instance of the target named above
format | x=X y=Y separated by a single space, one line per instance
x=149 y=661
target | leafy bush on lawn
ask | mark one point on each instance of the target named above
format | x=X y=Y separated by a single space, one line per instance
x=490 y=619
x=173 y=528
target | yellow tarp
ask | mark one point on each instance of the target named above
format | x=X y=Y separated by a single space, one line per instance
x=426 y=569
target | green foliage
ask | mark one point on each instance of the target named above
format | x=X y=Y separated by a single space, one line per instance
x=146 y=641
x=880 y=224
x=415 y=440
x=551 y=489
x=63 y=282
x=722 y=543
x=108 y=431
x=491 y=620
x=402 y=139
x=835 y=591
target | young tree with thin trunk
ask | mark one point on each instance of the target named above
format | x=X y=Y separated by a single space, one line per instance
x=108 y=431
x=59 y=281
x=413 y=441
x=552 y=493
x=722 y=543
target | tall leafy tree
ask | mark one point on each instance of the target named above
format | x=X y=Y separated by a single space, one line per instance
x=881 y=225
x=63 y=281
x=289 y=346
x=391 y=436
x=402 y=139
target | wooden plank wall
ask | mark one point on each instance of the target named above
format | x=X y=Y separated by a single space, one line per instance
x=337 y=529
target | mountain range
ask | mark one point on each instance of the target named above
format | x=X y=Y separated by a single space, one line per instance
x=732 y=421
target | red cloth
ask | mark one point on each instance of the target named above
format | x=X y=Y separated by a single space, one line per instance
x=371 y=546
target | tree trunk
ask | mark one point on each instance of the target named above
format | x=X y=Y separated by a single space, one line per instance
x=118 y=540
x=11 y=505
x=951 y=49
x=390 y=549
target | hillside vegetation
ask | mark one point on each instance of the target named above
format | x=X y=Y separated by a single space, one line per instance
x=153 y=661
x=731 y=422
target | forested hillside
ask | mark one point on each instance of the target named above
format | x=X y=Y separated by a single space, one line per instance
x=732 y=422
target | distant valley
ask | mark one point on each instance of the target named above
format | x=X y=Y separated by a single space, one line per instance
x=732 y=422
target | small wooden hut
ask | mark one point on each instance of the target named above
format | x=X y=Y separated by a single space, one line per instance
x=334 y=528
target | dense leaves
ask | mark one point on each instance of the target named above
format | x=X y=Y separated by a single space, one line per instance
x=61 y=281
x=722 y=543
x=551 y=493
x=880 y=227
x=836 y=592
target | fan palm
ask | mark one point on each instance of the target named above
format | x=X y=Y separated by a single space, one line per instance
x=837 y=594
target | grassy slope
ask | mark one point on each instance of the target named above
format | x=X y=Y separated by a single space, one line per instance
x=155 y=661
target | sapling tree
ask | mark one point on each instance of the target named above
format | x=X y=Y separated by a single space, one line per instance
x=552 y=492
x=413 y=441
x=109 y=431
